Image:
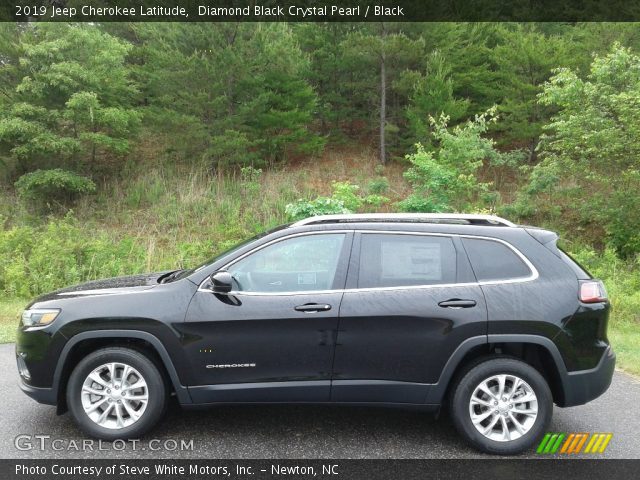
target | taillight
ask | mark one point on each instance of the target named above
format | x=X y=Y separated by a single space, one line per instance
x=592 y=291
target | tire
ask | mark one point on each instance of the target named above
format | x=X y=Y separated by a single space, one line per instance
x=128 y=415
x=522 y=429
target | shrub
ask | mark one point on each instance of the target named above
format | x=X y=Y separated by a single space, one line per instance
x=622 y=219
x=345 y=199
x=375 y=200
x=378 y=186
x=319 y=206
x=347 y=193
x=250 y=179
x=53 y=188
x=445 y=179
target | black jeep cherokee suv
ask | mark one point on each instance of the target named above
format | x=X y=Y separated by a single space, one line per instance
x=469 y=311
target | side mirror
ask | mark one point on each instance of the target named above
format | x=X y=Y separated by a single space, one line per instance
x=221 y=282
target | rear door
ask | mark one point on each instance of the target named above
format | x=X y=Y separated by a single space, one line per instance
x=411 y=299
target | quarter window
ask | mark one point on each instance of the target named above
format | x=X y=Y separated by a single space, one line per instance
x=295 y=264
x=388 y=260
x=494 y=260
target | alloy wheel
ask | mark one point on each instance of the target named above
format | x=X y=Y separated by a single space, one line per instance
x=503 y=407
x=115 y=395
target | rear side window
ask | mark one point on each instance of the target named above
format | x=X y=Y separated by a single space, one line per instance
x=388 y=260
x=494 y=260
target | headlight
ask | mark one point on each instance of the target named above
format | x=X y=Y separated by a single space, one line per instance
x=39 y=317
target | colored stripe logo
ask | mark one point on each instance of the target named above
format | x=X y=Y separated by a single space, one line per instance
x=574 y=443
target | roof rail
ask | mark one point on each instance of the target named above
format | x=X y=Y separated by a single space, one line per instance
x=450 y=218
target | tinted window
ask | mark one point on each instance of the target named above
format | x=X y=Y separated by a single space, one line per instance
x=293 y=265
x=494 y=260
x=402 y=260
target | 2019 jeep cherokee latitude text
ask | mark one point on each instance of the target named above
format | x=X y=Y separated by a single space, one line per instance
x=419 y=310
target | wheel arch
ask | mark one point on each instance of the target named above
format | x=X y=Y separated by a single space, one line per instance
x=538 y=351
x=86 y=342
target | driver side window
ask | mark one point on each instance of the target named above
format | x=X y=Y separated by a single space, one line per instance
x=298 y=264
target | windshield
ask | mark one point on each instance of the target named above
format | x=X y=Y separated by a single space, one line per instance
x=186 y=273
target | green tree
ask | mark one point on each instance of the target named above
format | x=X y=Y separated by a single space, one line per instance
x=331 y=75
x=190 y=74
x=385 y=52
x=280 y=110
x=592 y=146
x=239 y=86
x=10 y=52
x=74 y=106
x=525 y=59
x=432 y=95
x=10 y=74
x=468 y=50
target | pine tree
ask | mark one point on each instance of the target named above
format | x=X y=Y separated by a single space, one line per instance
x=74 y=106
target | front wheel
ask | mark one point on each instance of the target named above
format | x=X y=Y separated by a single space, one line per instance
x=502 y=406
x=116 y=393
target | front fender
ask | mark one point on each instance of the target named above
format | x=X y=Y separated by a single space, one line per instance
x=181 y=390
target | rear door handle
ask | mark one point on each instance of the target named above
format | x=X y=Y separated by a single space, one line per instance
x=313 y=308
x=457 y=303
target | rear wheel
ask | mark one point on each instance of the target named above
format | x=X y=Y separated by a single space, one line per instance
x=116 y=393
x=502 y=406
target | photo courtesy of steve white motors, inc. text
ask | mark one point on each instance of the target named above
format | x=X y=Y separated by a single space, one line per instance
x=172 y=470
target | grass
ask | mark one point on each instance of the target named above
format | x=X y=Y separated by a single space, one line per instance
x=163 y=215
x=9 y=311
x=624 y=326
x=156 y=215
x=625 y=339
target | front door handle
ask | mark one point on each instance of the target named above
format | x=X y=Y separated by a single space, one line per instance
x=313 y=308
x=457 y=303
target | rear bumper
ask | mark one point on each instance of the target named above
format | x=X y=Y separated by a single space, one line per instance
x=583 y=386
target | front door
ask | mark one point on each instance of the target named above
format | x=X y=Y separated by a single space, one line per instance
x=272 y=338
x=411 y=300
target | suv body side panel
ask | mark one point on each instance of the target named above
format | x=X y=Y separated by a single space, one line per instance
x=578 y=387
x=50 y=395
x=163 y=308
x=549 y=307
x=393 y=343
x=582 y=338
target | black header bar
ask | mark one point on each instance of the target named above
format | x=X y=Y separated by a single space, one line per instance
x=320 y=10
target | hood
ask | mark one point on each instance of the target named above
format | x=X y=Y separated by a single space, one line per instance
x=107 y=286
